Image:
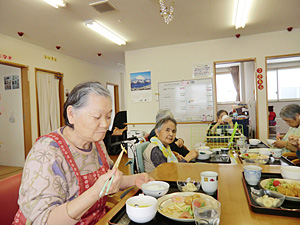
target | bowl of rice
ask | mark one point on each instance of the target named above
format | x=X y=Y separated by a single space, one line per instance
x=155 y=188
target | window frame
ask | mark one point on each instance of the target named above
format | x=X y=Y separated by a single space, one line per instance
x=286 y=99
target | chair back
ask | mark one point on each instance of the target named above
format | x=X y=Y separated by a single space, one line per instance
x=9 y=193
x=140 y=148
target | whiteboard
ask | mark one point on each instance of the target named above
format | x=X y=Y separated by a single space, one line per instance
x=189 y=100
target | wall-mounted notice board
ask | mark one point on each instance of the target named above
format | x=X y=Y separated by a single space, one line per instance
x=188 y=100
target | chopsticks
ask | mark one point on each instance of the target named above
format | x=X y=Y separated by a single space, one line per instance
x=111 y=179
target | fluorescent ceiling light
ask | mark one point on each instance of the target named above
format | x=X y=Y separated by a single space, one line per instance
x=56 y=3
x=105 y=32
x=241 y=13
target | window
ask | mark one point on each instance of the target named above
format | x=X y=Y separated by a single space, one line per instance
x=283 y=84
x=225 y=88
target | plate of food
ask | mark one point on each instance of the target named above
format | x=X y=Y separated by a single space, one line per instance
x=178 y=206
x=289 y=188
x=255 y=158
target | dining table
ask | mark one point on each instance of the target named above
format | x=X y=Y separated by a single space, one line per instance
x=231 y=193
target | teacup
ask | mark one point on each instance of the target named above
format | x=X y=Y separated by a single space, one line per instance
x=209 y=182
x=276 y=152
x=225 y=118
x=252 y=174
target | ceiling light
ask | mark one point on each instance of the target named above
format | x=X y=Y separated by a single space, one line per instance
x=104 y=32
x=56 y=3
x=241 y=13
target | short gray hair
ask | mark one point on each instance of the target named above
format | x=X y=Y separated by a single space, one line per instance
x=290 y=111
x=162 y=113
x=78 y=97
x=160 y=123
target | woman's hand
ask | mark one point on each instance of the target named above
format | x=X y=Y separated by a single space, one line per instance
x=178 y=156
x=191 y=155
x=142 y=178
x=293 y=140
x=279 y=144
x=179 y=142
x=115 y=186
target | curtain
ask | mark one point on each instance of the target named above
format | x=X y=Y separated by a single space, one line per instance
x=48 y=102
x=236 y=80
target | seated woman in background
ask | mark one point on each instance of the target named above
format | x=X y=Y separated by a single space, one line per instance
x=178 y=144
x=291 y=115
x=220 y=121
x=159 y=151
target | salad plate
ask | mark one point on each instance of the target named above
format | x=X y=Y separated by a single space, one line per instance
x=268 y=184
x=166 y=200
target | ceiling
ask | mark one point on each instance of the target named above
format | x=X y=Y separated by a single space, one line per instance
x=138 y=22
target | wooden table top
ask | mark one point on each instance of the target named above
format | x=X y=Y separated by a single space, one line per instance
x=234 y=209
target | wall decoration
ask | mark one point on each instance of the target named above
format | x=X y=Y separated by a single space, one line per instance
x=259 y=76
x=203 y=70
x=260 y=87
x=259 y=70
x=140 y=85
x=5 y=56
x=259 y=81
x=11 y=82
x=50 y=58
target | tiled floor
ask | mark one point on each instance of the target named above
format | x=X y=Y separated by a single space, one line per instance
x=6 y=171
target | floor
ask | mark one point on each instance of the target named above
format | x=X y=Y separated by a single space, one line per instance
x=6 y=171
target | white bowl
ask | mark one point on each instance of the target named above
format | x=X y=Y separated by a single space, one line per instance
x=290 y=172
x=254 y=141
x=155 y=188
x=270 y=142
x=204 y=154
x=141 y=208
x=265 y=151
x=207 y=148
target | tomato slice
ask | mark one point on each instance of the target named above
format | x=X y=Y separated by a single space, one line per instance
x=276 y=183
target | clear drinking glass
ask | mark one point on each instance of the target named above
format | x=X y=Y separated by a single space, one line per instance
x=244 y=149
x=207 y=213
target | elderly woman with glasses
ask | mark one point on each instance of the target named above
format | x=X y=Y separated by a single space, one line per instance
x=66 y=170
x=159 y=151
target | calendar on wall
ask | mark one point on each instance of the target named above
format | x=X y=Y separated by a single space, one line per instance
x=188 y=100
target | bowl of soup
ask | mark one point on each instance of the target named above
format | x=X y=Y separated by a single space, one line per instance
x=141 y=208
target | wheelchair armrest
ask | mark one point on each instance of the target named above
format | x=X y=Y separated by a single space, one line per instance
x=129 y=162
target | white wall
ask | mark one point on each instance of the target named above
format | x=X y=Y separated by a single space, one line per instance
x=11 y=120
x=175 y=62
x=74 y=70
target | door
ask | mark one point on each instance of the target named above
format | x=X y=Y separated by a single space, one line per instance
x=236 y=81
x=15 y=118
x=49 y=105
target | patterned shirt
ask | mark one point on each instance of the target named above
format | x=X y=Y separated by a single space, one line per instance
x=48 y=180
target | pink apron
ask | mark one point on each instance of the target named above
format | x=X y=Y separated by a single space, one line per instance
x=99 y=209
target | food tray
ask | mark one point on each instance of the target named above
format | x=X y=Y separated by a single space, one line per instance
x=216 y=158
x=282 y=162
x=121 y=217
x=260 y=145
x=272 y=211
